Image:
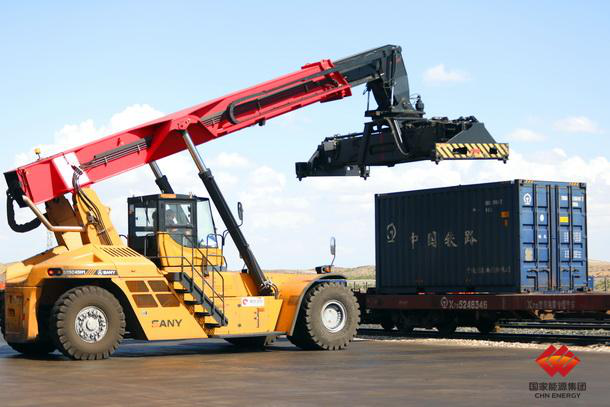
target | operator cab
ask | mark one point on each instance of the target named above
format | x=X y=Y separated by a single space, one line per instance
x=186 y=218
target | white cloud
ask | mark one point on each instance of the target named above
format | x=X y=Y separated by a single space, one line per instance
x=230 y=161
x=266 y=179
x=439 y=74
x=132 y=116
x=577 y=124
x=225 y=179
x=526 y=135
x=73 y=135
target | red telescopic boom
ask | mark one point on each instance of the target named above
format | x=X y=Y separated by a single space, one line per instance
x=396 y=133
x=51 y=177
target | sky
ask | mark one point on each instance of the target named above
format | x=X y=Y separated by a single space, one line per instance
x=536 y=73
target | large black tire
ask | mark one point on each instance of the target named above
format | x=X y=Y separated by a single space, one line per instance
x=252 y=342
x=96 y=308
x=312 y=333
x=40 y=347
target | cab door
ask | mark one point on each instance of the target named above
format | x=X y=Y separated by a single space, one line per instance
x=187 y=235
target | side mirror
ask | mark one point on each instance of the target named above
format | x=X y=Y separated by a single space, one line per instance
x=329 y=268
x=240 y=211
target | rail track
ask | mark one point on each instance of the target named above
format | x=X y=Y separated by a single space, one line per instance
x=556 y=325
x=496 y=337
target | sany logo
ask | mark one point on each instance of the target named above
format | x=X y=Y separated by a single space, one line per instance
x=554 y=360
x=166 y=323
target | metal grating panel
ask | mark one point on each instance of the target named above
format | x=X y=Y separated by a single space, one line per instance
x=145 y=301
x=168 y=300
x=116 y=251
x=137 y=286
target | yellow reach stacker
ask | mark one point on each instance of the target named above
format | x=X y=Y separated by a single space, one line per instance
x=170 y=279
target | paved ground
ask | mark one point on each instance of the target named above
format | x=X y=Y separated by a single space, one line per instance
x=382 y=373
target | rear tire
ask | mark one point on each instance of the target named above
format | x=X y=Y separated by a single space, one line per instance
x=328 y=318
x=252 y=342
x=87 y=323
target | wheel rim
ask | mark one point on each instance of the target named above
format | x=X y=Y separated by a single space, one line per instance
x=334 y=316
x=91 y=324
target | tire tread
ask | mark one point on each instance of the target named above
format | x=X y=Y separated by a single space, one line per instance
x=58 y=320
x=306 y=336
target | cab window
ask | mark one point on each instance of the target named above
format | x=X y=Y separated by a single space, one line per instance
x=206 y=232
x=178 y=221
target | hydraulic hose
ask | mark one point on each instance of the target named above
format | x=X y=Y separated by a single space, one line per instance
x=10 y=215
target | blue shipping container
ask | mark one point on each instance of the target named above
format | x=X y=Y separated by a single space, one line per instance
x=515 y=236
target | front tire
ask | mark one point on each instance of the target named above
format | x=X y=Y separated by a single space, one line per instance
x=328 y=318
x=87 y=323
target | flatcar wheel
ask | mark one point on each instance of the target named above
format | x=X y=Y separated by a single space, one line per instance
x=388 y=326
x=446 y=328
x=404 y=328
x=486 y=326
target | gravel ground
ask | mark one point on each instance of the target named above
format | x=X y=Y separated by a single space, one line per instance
x=580 y=332
x=497 y=344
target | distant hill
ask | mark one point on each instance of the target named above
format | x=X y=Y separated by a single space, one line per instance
x=599 y=268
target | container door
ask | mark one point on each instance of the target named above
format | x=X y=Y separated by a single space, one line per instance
x=571 y=261
x=536 y=247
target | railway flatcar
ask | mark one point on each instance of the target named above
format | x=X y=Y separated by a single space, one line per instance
x=475 y=254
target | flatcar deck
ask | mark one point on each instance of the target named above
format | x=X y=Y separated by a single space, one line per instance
x=576 y=302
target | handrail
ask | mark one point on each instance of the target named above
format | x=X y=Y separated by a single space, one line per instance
x=201 y=273
x=192 y=265
x=183 y=258
x=203 y=256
